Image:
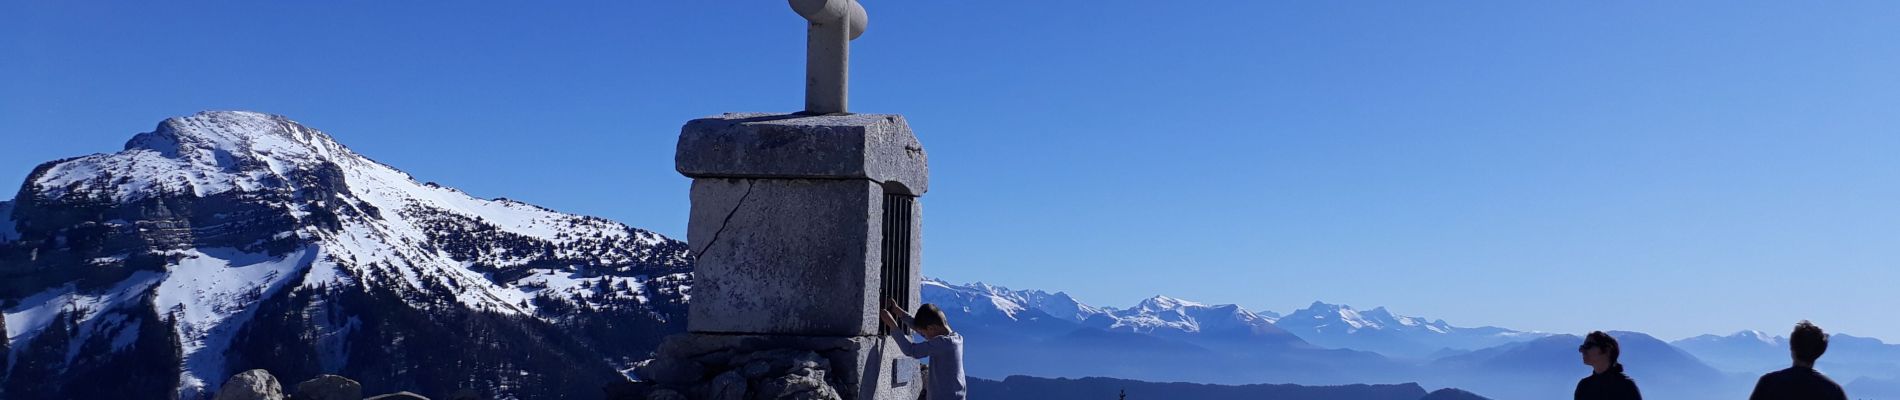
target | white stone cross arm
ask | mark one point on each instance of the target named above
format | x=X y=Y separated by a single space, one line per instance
x=834 y=23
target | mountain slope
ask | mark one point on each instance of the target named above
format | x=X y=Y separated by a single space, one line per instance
x=200 y=247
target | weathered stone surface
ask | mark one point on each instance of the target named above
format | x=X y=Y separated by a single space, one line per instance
x=878 y=147
x=671 y=371
x=728 y=386
x=801 y=383
x=255 y=384
x=398 y=396
x=776 y=256
x=853 y=367
x=329 y=387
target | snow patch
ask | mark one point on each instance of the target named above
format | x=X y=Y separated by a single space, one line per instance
x=33 y=314
x=208 y=295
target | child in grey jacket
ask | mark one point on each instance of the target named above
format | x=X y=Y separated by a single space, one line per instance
x=941 y=345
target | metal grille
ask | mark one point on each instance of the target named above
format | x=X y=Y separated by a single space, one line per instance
x=896 y=271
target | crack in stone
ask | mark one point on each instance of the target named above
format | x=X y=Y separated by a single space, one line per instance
x=727 y=221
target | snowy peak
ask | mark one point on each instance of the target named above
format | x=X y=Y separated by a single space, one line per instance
x=1759 y=336
x=232 y=131
x=979 y=300
x=1321 y=315
x=207 y=154
x=1165 y=303
x=1159 y=315
x=983 y=299
x=1333 y=316
x=1381 y=330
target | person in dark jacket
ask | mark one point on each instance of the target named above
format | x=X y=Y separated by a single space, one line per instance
x=1606 y=380
x=1800 y=381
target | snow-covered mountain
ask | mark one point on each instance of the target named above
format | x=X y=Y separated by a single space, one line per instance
x=225 y=241
x=1747 y=351
x=1171 y=317
x=1321 y=324
x=1379 y=330
x=1161 y=339
x=1160 y=316
x=984 y=299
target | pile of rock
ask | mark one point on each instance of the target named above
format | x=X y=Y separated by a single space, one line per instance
x=258 y=384
x=740 y=368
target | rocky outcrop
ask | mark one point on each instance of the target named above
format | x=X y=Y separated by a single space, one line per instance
x=729 y=368
x=258 y=384
x=329 y=387
x=255 y=384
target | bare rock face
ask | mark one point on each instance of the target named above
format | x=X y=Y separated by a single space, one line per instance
x=329 y=387
x=255 y=384
x=699 y=367
x=728 y=386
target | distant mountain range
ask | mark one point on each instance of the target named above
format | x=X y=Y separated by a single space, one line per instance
x=1030 y=388
x=1321 y=325
x=1013 y=332
x=1848 y=357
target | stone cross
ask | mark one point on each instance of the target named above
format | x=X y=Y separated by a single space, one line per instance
x=834 y=23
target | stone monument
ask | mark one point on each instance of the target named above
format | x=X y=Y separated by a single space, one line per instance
x=800 y=224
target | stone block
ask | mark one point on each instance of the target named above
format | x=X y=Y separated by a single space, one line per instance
x=878 y=147
x=789 y=256
x=329 y=387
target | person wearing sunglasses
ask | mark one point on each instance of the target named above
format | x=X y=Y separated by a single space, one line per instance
x=1607 y=380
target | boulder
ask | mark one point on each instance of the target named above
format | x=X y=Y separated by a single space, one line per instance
x=398 y=396
x=255 y=384
x=671 y=371
x=728 y=386
x=329 y=387
x=801 y=383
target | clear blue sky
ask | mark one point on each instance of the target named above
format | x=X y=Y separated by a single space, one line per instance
x=1677 y=168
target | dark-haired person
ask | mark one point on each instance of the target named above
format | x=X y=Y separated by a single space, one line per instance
x=1606 y=380
x=941 y=345
x=1800 y=381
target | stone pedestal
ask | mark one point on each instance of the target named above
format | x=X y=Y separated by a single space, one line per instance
x=800 y=225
